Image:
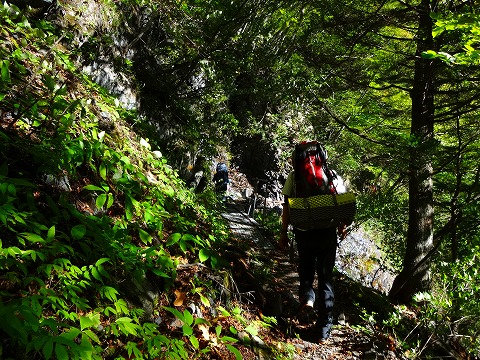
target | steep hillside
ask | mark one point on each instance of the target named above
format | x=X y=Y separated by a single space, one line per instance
x=94 y=223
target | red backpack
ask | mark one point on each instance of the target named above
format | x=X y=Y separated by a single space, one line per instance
x=312 y=176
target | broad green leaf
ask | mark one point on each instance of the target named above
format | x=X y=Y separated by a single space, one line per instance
x=125 y=160
x=183 y=245
x=92 y=336
x=96 y=274
x=234 y=350
x=51 y=233
x=128 y=208
x=203 y=255
x=110 y=200
x=131 y=328
x=121 y=306
x=438 y=30
x=204 y=301
x=11 y=189
x=34 y=238
x=223 y=311
x=144 y=236
x=173 y=239
x=78 y=232
x=109 y=292
x=101 y=200
x=176 y=313
x=228 y=339
x=169 y=191
x=48 y=349
x=430 y=54
x=124 y=320
x=149 y=216
x=5 y=71
x=188 y=237
x=101 y=261
x=201 y=321
x=61 y=352
x=194 y=342
x=187 y=330
x=49 y=82
x=251 y=330
x=102 y=170
x=71 y=333
x=92 y=187
x=188 y=317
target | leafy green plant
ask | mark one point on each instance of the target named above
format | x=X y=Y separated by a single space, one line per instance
x=121 y=211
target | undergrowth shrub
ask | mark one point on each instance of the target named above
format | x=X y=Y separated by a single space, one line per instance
x=454 y=306
x=82 y=210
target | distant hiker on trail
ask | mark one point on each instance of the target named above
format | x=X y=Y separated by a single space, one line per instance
x=316 y=242
x=220 y=179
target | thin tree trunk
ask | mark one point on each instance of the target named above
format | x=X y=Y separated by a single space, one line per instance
x=415 y=274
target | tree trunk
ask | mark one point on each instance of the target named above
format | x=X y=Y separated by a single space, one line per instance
x=415 y=274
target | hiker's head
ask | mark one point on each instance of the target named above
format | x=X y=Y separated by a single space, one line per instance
x=303 y=148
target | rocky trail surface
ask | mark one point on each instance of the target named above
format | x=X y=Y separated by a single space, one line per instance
x=354 y=335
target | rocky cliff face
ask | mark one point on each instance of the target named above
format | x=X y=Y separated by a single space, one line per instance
x=127 y=49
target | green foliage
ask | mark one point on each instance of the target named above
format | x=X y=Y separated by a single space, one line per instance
x=454 y=305
x=81 y=208
x=467 y=26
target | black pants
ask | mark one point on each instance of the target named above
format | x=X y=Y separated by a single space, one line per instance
x=317 y=250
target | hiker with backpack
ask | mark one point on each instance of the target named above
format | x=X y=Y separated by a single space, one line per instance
x=315 y=228
x=221 y=180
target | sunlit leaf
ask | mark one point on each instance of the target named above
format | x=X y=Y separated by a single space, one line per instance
x=234 y=350
x=188 y=317
x=34 y=238
x=51 y=233
x=101 y=261
x=173 y=239
x=194 y=342
x=251 y=330
x=144 y=236
x=93 y=187
x=101 y=200
x=110 y=200
x=96 y=274
x=187 y=330
x=203 y=255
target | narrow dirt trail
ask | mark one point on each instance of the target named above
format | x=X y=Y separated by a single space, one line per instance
x=352 y=336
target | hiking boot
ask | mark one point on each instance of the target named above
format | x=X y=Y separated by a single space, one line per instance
x=306 y=312
x=324 y=333
x=306 y=302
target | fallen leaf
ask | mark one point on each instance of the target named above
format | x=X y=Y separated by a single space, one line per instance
x=180 y=298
